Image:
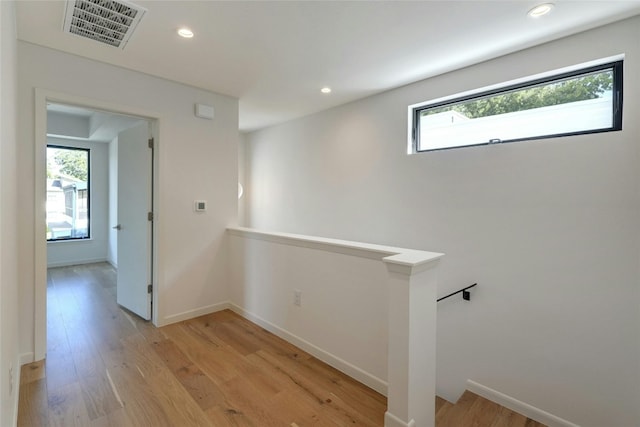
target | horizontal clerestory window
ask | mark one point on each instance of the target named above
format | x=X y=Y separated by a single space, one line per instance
x=586 y=100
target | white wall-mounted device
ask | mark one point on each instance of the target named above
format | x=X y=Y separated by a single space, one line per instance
x=204 y=111
x=200 y=205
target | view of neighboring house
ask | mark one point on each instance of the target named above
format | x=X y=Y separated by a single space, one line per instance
x=67 y=201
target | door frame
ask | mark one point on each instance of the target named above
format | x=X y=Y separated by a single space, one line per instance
x=42 y=97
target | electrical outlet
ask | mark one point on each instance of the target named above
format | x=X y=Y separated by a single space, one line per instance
x=297 y=297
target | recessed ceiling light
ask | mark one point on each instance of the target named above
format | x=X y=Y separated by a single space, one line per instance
x=540 y=10
x=185 y=32
x=325 y=90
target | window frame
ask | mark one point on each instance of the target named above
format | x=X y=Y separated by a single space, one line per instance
x=617 y=104
x=88 y=190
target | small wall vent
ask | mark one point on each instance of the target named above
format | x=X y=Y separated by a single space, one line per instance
x=106 y=21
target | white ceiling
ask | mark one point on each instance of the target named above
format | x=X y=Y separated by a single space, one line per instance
x=78 y=123
x=276 y=55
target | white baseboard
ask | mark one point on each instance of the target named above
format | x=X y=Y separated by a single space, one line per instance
x=353 y=371
x=190 y=314
x=391 y=420
x=25 y=358
x=75 y=262
x=516 y=405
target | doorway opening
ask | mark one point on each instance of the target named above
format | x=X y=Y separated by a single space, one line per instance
x=99 y=166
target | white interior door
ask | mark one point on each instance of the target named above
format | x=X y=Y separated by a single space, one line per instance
x=134 y=227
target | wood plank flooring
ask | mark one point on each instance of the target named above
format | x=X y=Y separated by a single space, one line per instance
x=473 y=410
x=106 y=367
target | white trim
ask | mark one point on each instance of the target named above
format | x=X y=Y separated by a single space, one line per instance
x=39 y=227
x=391 y=420
x=518 y=406
x=16 y=393
x=410 y=258
x=75 y=262
x=353 y=371
x=25 y=358
x=42 y=96
x=196 y=312
x=73 y=240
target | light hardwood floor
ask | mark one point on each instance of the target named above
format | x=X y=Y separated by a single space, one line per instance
x=474 y=410
x=107 y=367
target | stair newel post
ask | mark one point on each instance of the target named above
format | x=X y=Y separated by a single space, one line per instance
x=412 y=341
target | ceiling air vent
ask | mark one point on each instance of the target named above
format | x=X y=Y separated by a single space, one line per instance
x=106 y=21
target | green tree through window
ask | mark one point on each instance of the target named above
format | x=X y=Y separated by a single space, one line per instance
x=570 y=90
x=72 y=163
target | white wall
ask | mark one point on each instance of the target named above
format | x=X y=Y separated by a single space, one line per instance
x=73 y=252
x=67 y=125
x=112 y=246
x=197 y=159
x=331 y=323
x=8 y=217
x=548 y=228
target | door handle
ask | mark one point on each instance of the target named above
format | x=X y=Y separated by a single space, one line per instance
x=117 y=227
